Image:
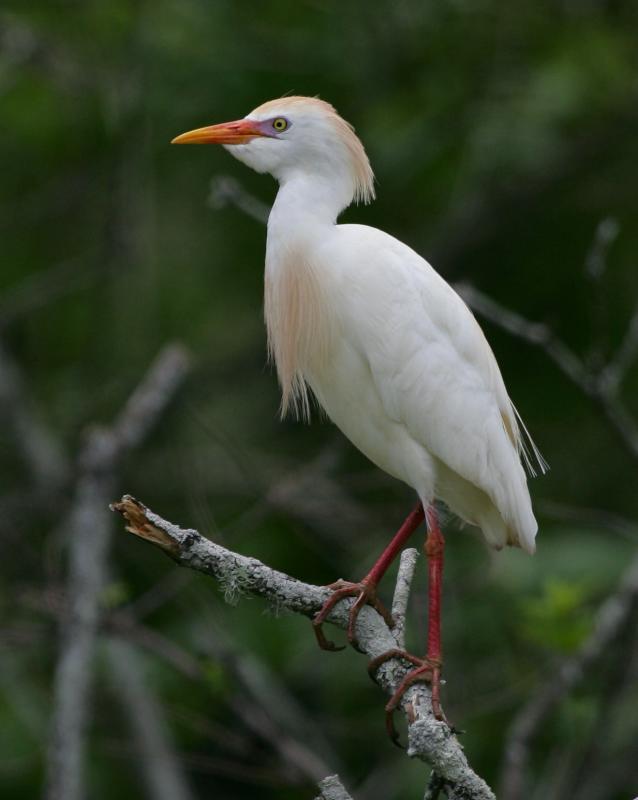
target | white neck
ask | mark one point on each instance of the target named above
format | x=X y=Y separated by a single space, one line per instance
x=305 y=200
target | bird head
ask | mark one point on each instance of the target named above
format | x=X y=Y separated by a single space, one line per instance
x=292 y=137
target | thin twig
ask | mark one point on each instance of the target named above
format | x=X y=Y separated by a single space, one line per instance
x=605 y=235
x=429 y=739
x=227 y=191
x=332 y=789
x=401 y=597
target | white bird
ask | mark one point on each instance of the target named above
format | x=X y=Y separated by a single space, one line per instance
x=388 y=349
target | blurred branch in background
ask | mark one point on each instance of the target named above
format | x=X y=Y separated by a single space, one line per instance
x=40 y=450
x=610 y=622
x=161 y=769
x=429 y=740
x=591 y=517
x=267 y=708
x=90 y=527
x=601 y=386
x=596 y=771
x=224 y=190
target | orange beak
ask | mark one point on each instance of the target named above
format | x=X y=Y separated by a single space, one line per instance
x=239 y=132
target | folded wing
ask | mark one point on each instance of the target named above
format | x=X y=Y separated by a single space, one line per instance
x=437 y=375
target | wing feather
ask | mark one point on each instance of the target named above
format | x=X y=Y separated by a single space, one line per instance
x=436 y=373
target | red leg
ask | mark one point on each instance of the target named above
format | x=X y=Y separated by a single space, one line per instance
x=428 y=668
x=434 y=547
x=365 y=591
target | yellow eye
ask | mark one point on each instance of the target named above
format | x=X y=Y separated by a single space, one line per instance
x=280 y=124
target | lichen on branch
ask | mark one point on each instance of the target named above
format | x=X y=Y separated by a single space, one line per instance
x=428 y=739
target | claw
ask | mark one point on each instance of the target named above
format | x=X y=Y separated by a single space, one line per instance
x=323 y=642
x=425 y=669
x=375 y=663
x=365 y=593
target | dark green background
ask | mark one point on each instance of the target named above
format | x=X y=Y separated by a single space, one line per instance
x=502 y=135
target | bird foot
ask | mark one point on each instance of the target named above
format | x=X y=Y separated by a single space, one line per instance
x=365 y=592
x=427 y=669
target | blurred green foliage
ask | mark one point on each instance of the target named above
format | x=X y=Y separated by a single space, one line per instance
x=555 y=619
x=502 y=136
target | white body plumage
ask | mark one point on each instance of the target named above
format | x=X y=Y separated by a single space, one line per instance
x=401 y=366
x=388 y=348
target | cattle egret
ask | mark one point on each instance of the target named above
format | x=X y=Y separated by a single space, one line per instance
x=387 y=348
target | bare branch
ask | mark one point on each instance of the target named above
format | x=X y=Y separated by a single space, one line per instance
x=227 y=191
x=332 y=789
x=148 y=402
x=274 y=714
x=90 y=529
x=536 y=333
x=610 y=620
x=615 y=372
x=605 y=235
x=597 y=386
x=429 y=739
x=407 y=565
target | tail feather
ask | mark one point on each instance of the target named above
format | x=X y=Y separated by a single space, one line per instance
x=525 y=444
x=499 y=532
